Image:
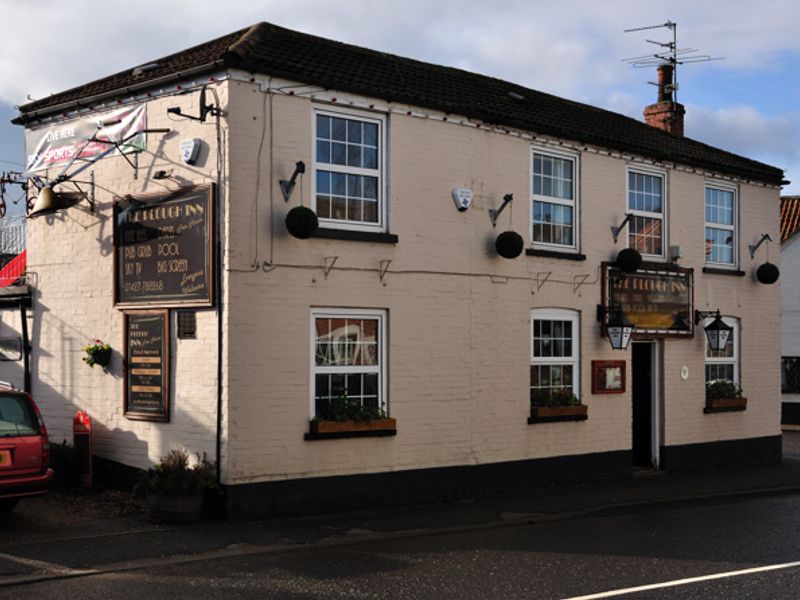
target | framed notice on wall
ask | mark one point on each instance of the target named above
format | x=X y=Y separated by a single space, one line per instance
x=608 y=376
x=146 y=372
x=164 y=249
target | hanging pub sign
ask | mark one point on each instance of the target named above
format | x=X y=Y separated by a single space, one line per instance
x=147 y=365
x=164 y=249
x=658 y=302
x=56 y=145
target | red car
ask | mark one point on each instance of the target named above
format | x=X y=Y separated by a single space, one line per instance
x=24 y=449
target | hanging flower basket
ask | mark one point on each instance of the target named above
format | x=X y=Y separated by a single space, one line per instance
x=301 y=222
x=509 y=244
x=629 y=260
x=767 y=273
x=98 y=353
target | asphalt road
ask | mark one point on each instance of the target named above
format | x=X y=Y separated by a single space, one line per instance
x=560 y=559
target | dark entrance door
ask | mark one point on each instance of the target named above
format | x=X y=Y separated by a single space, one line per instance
x=642 y=368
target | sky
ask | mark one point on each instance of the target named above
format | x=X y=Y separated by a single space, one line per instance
x=747 y=103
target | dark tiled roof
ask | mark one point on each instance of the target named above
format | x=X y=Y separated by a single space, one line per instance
x=790 y=216
x=268 y=49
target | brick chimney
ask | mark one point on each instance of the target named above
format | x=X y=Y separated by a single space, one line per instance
x=666 y=114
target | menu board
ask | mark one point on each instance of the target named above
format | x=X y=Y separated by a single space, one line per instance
x=163 y=249
x=147 y=365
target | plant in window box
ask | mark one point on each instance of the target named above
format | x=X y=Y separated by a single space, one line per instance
x=722 y=395
x=175 y=491
x=98 y=353
x=548 y=404
x=344 y=414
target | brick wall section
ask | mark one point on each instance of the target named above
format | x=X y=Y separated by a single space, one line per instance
x=71 y=266
x=459 y=345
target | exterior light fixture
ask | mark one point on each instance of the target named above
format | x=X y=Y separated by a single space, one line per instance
x=717 y=332
x=619 y=329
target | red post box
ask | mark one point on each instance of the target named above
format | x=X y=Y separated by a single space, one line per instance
x=82 y=442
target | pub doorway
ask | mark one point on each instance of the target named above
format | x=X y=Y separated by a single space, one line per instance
x=645 y=368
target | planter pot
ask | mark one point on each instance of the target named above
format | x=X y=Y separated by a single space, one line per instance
x=102 y=357
x=727 y=404
x=176 y=508
x=546 y=412
x=387 y=424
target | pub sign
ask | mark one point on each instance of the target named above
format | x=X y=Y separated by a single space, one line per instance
x=658 y=302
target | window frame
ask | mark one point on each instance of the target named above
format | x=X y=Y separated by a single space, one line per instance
x=354 y=313
x=784 y=388
x=663 y=216
x=574 y=157
x=381 y=121
x=724 y=187
x=735 y=323
x=559 y=314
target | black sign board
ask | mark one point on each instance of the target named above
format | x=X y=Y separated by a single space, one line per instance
x=163 y=247
x=658 y=302
x=147 y=365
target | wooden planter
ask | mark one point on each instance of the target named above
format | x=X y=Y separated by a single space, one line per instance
x=176 y=508
x=322 y=427
x=554 y=414
x=725 y=404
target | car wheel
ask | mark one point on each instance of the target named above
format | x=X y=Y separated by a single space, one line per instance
x=7 y=505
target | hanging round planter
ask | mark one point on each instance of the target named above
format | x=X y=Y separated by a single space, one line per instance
x=629 y=260
x=509 y=244
x=301 y=222
x=767 y=273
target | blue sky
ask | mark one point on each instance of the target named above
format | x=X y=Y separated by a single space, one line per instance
x=748 y=103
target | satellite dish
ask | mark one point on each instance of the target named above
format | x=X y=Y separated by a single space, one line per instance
x=49 y=201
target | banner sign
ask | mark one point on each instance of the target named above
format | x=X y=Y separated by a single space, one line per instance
x=146 y=365
x=56 y=145
x=163 y=248
x=658 y=303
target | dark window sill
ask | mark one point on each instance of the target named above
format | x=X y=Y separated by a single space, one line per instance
x=650 y=265
x=355 y=236
x=554 y=254
x=560 y=418
x=338 y=435
x=717 y=271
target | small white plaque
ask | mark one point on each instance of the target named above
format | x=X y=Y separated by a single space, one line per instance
x=189 y=150
x=463 y=198
x=684 y=373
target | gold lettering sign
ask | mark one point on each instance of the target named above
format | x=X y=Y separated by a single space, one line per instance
x=656 y=302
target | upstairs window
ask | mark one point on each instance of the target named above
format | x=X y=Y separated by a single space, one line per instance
x=554 y=207
x=646 y=229
x=720 y=226
x=349 y=171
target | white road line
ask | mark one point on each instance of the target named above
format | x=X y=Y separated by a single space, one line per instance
x=37 y=564
x=690 y=580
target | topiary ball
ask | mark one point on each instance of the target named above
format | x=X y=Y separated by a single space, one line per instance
x=767 y=273
x=509 y=244
x=301 y=222
x=629 y=260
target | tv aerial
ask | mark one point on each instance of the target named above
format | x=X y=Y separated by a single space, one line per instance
x=670 y=54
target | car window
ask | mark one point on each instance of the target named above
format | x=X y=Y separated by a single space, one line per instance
x=16 y=416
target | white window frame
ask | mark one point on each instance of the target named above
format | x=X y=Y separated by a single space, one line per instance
x=381 y=369
x=728 y=360
x=733 y=228
x=662 y=216
x=560 y=314
x=574 y=203
x=380 y=172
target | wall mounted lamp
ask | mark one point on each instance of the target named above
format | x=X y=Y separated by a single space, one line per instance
x=287 y=186
x=205 y=109
x=717 y=332
x=618 y=328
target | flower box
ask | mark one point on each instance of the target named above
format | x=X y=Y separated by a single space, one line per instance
x=544 y=412
x=725 y=404
x=323 y=427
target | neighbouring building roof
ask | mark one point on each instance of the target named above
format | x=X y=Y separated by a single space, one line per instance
x=279 y=52
x=790 y=216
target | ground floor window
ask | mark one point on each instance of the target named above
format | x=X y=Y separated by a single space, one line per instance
x=723 y=365
x=790 y=374
x=348 y=363
x=555 y=355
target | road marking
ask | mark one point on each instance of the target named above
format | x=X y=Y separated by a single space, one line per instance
x=690 y=580
x=39 y=564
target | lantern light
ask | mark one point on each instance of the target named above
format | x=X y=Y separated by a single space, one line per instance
x=717 y=332
x=619 y=329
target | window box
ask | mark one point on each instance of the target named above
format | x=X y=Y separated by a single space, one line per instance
x=322 y=427
x=550 y=412
x=725 y=405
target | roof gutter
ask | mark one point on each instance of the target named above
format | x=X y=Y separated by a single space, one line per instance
x=27 y=117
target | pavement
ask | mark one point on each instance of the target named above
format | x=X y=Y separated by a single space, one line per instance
x=70 y=536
